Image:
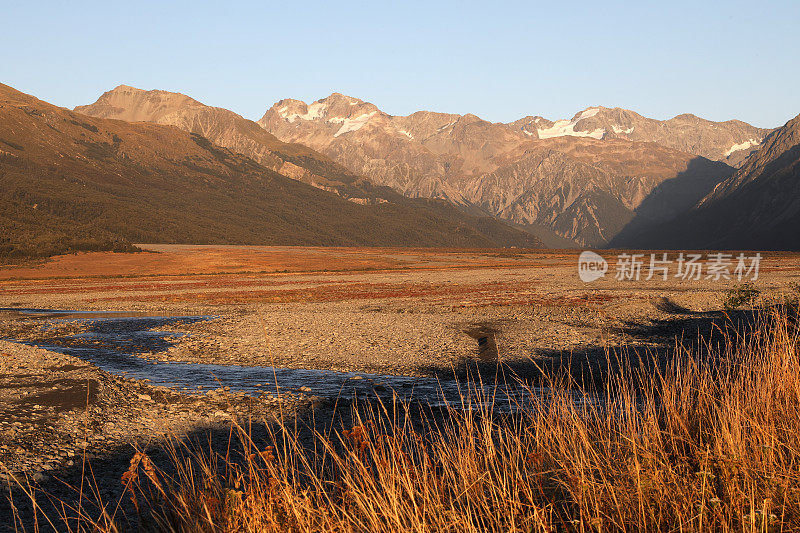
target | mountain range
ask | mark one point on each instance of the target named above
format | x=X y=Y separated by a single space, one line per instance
x=731 y=141
x=341 y=171
x=72 y=182
x=757 y=208
x=226 y=128
x=569 y=182
x=597 y=179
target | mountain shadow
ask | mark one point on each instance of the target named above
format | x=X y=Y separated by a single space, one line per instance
x=762 y=214
x=669 y=201
x=756 y=208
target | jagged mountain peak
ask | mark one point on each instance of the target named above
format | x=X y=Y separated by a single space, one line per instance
x=335 y=104
x=338 y=114
x=471 y=161
x=588 y=112
x=356 y=113
x=758 y=207
x=334 y=98
x=730 y=141
x=773 y=150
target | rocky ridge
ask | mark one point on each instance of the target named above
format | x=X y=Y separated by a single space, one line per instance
x=731 y=141
x=583 y=179
x=66 y=174
x=580 y=181
x=755 y=208
x=230 y=130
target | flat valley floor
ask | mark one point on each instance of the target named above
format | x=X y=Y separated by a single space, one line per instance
x=395 y=311
x=411 y=312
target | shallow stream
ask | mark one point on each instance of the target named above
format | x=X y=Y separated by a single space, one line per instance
x=112 y=341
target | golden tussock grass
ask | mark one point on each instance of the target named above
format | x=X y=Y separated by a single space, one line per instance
x=708 y=442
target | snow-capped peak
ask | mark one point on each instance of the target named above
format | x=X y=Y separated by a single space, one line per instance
x=561 y=128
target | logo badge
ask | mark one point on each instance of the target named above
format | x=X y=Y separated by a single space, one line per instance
x=591 y=266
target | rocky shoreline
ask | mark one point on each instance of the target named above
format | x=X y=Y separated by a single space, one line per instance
x=59 y=414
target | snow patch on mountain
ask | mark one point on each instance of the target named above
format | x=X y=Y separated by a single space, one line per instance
x=351 y=124
x=742 y=146
x=561 y=128
x=313 y=111
x=589 y=113
x=619 y=129
x=407 y=134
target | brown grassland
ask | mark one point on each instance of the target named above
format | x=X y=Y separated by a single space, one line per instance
x=706 y=440
x=185 y=260
x=709 y=443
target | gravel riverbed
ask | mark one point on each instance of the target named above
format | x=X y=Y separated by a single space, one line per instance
x=59 y=413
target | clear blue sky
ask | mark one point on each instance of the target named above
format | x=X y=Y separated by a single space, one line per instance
x=720 y=60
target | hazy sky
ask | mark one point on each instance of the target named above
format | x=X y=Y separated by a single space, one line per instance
x=719 y=60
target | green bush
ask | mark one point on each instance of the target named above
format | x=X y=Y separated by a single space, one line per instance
x=744 y=294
